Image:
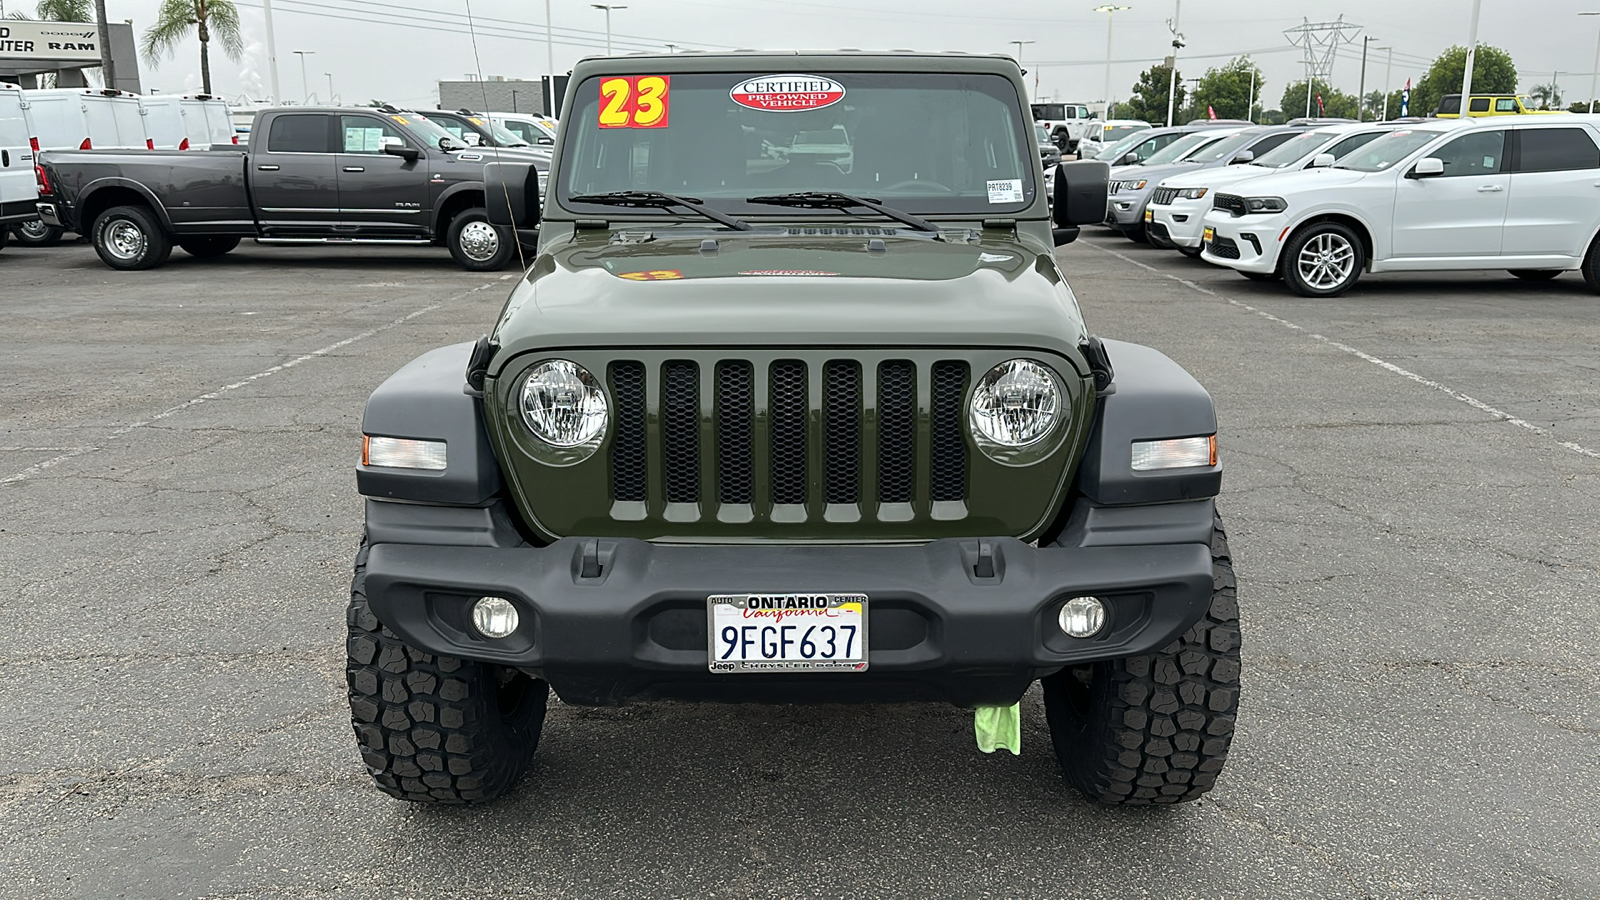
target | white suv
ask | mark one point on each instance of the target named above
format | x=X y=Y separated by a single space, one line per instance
x=1179 y=203
x=1484 y=193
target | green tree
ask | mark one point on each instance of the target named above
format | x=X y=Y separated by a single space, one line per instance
x=1548 y=96
x=1149 y=98
x=1272 y=117
x=1372 y=104
x=1336 y=104
x=1226 y=89
x=1493 y=72
x=208 y=18
x=65 y=10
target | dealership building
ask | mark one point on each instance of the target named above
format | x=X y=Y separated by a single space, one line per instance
x=30 y=48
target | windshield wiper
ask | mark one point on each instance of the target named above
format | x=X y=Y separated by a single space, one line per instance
x=836 y=200
x=658 y=200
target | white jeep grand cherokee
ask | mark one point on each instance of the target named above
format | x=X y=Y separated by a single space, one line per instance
x=1484 y=193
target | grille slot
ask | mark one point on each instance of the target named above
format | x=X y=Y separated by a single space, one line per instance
x=949 y=458
x=627 y=445
x=897 y=430
x=1164 y=196
x=1233 y=203
x=736 y=404
x=680 y=430
x=789 y=409
x=842 y=430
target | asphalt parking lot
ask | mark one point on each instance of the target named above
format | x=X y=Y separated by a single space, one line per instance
x=1410 y=492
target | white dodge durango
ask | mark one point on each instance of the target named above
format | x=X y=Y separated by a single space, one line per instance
x=1485 y=193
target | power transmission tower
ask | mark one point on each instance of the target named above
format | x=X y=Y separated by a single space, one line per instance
x=1319 y=41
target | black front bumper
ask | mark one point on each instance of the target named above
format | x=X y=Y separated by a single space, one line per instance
x=606 y=621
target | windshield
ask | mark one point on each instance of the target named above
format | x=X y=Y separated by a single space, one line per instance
x=430 y=131
x=1120 y=148
x=1050 y=111
x=1222 y=148
x=925 y=143
x=1293 y=150
x=1180 y=148
x=1118 y=132
x=503 y=136
x=1040 y=134
x=1385 y=151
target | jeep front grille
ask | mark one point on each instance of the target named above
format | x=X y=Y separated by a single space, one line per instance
x=1232 y=203
x=1164 y=196
x=810 y=439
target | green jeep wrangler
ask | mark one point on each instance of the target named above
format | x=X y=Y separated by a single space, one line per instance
x=793 y=405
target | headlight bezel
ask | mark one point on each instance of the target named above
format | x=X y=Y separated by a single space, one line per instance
x=542 y=446
x=1036 y=448
x=1128 y=186
x=1264 y=206
x=1192 y=193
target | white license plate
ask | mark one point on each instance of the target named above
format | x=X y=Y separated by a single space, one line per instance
x=787 y=632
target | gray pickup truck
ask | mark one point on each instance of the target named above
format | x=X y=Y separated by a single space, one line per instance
x=311 y=175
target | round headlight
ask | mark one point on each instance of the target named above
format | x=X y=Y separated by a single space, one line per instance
x=1016 y=403
x=563 y=405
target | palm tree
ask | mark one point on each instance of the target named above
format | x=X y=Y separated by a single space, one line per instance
x=176 y=17
x=65 y=10
x=1547 y=95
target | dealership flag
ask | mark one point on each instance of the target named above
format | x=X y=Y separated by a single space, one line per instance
x=1211 y=113
x=1405 y=99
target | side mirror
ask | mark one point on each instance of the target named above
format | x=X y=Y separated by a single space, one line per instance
x=511 y=194
x=472 y=138
x=545 y=140
x=1321 y=161
x=1427 y=167
x=1243 y=157
x=1080 y=198
x=409 y=154
x=1128 y=159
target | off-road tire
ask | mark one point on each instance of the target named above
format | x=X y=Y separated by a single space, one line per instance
x=38 y=234
x=208 y=246
x=470 y=255
x=1154 y=729
x=1289 y=262
x=151 y=250
x=435 y=729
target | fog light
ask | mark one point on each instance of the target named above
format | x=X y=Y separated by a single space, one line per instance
x=1081 y=617
x=495 y=617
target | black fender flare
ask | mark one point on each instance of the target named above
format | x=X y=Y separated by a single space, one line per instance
x=1154 y=398
x=444 y=198
x=99 y=184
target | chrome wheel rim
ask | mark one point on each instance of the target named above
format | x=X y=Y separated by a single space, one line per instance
x=479 y=241
x=1326 y=261
x=34 y=230
x=125 y=240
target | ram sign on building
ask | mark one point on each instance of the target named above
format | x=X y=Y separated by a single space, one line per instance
x=29 y=49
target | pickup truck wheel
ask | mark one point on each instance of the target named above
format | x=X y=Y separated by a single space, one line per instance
x=129 y=237
x=37 y=234
x=1323 y=260
x=477 y=245
x=1154 y=729
x=435 y=729
x=1535 y=274
x=207 y=246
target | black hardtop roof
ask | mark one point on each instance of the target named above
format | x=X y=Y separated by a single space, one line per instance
x=743 y=60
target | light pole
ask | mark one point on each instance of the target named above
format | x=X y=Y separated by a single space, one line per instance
x=1361 y=92
x=549 y=49
x=305 y=86
x=671 y=49
x=272 y=51
x=330 y=89
x=1387 y=68
x=1250 y=104
x=1020 y=45
x=1177 y=44
x=1472 y=54
x=608 y=7
x=1111 y=16
x=1594 y=69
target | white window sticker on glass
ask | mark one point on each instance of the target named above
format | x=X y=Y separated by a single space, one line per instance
x=1006 y=190
x=359 y=139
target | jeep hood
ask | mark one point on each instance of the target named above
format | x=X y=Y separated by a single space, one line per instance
x=1213 y=178
x=781 y=286
x=1306 y=179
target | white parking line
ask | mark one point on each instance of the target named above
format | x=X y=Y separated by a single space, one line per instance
x=1389 y=366
x=76 y=452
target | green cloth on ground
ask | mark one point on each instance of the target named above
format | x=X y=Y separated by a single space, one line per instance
x=999 y=726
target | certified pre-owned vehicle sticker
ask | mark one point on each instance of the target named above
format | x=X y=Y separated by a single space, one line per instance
x=640 y=101
x=787 y=93
x=1006 y=190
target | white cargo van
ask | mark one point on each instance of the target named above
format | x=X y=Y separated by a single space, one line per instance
x=164 y=128
x=18 y=192
x=86 y=119
x=208 y=120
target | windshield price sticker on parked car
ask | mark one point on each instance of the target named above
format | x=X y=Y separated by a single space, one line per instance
x=788 y=632
x=638 y=101
x=787 y=93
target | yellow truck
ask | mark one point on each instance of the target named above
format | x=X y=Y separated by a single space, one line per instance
x=1489 y=105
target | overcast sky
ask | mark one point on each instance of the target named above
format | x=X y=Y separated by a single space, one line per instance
x=397 y=50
